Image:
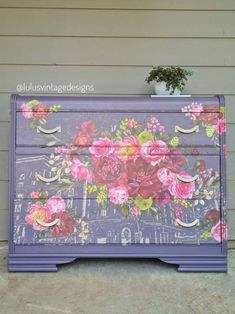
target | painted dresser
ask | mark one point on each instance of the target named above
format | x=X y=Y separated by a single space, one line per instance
x=129 y=177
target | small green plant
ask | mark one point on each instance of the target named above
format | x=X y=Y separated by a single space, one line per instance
x=174 y=77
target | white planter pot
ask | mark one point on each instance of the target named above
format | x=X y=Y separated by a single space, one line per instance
x=160 y=89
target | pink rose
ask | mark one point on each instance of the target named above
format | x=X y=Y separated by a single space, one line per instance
x=56 y=204
x=79 y=171
x=166 y=176
x=82 y=139
x=26 y=111
x=38 y=212
x=132 y=123
x=118 y=194
x=220 y=126
x=35 y=195
x=128 y=148
x=153 y=152
x=196 y=109
x=88 y=127
x=40 y=111
x=219 y=231
x=181 y=189
x=102 y=147
x=135 y=211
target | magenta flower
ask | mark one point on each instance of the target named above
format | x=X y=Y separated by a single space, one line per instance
x=154 y=152
x=118 y=194
x=166 y=176
x=181 y=189
x=219 y=231
x=220 y=127
x=79 y=171
x=135 y=211
x=38 y=212
x=27 y=112
x=102 y=147
x=56 y=204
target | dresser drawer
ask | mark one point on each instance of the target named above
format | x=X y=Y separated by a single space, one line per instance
x=82 y=128
x=173 y=176
x=78 y=221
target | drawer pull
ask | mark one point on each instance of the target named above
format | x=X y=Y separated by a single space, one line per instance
x=47 y=180
x=186 y=131
x=187 y=224
x=187 y=180
x=42 y=130
x=48 y=224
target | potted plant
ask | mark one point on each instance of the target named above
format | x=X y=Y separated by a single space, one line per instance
x=168 y=80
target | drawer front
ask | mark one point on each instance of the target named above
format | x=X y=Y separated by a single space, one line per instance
x=83 y=128
x=172 y=176
x=84 y=221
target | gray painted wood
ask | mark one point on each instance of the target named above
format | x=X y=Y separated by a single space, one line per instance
x=131 y=23
x=117 y=51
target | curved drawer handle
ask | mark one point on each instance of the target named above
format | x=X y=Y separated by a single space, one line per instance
x=186 y=131
x=45 y=131
x=187 y=180
x=187 y=224
x=47 y=180
x=48 y=224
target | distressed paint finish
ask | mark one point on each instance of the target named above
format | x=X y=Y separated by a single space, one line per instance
x=92 y=224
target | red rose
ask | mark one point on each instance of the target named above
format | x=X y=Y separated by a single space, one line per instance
x=175 y=160
x=88 y=127
x=109 y=170
x=142 y=178
x=65 y=227
x=200 y=165
x=82 y=139
x=40 y=111
x=212 y=215
x=210 y=114
x=162 y=198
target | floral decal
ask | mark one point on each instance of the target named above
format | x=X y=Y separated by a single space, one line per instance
x=37 y=112
x=45 y=210
x=134 y=165
x=211 y=117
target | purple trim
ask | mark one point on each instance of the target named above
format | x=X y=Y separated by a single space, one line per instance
x=204 y=257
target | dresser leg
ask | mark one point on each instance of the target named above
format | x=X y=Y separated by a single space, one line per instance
x=199 y=264
x=36 y=263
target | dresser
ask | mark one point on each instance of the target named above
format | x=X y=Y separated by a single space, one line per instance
x=117 y=177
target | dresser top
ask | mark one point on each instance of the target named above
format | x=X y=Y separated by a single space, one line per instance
x=119 y=103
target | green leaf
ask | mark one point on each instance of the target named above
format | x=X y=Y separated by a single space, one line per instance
x=67 y=181
x=124 y=209
x=143 y=203
x=43 y=121
x=33 y=124
x=206 y=234
x=51 y=143
x=32 y=103
x=145 y=136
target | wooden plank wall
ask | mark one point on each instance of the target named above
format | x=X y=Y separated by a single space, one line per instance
x=112 y=45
